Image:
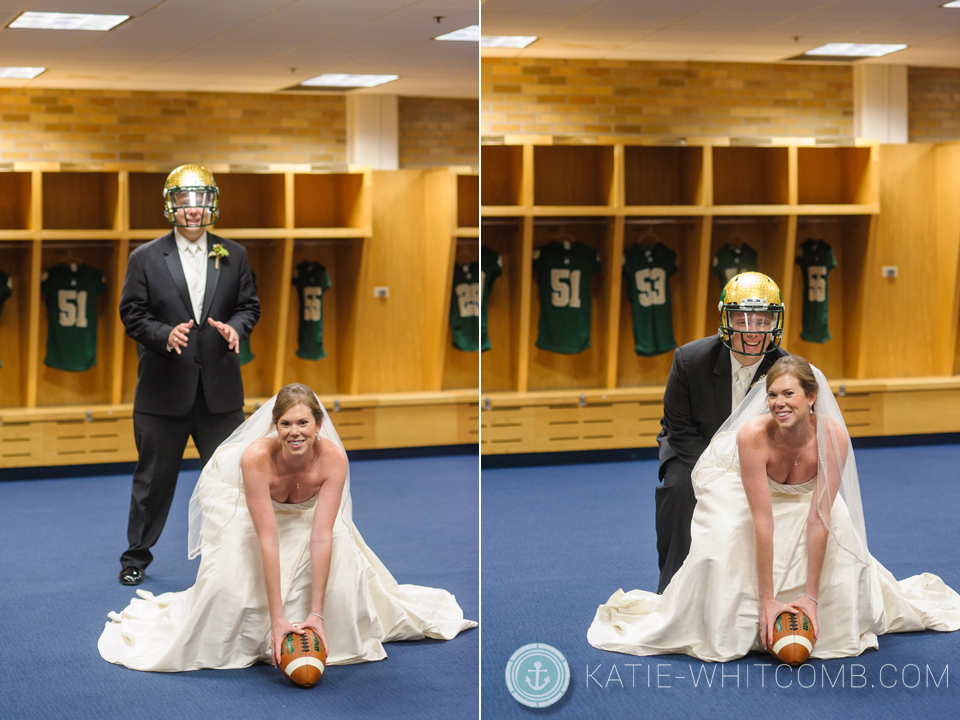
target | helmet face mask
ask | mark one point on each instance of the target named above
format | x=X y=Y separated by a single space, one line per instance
x=751 y=314
x=752 y=333
x=191 y=198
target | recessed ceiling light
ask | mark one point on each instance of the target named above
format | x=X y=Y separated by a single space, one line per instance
x=20 y=73
x=507 y=41
x=467 y=34
x=66 y=21
x=338 y=80
x=855 y=50
x=954 y=4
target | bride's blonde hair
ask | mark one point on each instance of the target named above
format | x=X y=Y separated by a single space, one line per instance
x=296 y=394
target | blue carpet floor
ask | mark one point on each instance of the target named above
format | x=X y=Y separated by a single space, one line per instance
x=61 y=540
x=558 y=541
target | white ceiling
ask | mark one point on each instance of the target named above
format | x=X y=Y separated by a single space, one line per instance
x=724 y=30
x=248 y=45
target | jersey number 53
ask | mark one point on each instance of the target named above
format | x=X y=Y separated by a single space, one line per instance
x=651 y=286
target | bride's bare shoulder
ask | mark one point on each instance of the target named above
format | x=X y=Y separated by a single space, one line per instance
x=839 y=433
x=331 y=454
x=755 y=430
x=258 y=453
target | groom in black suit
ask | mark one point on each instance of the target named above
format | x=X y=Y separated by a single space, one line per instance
x=189 y=301
x=709 y=378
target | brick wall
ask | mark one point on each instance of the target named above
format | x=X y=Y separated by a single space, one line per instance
x=934 y=104
x=438 y=131
x=170 y=127
x=570 y=97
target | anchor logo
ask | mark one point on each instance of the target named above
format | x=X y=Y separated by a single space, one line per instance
x=537 y=675
x=536 y=670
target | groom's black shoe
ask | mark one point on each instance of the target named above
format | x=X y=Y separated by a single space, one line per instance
x=131 y=576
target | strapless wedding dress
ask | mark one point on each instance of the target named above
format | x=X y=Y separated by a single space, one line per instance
x=223 y=620
x=710 y=609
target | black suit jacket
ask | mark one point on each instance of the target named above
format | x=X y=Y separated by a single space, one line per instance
x=697 y=398
x=155 y=299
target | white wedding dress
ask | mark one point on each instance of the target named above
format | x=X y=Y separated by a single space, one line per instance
x=710 y=609
x=223 y=620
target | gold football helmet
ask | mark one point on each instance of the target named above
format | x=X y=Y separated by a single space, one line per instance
x=751 y=305
x=191 y=186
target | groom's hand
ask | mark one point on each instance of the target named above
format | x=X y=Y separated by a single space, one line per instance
x=178 y=336
x=229 y=334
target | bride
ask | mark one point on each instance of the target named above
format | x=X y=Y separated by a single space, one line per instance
x=272 y=517
x=778 y=526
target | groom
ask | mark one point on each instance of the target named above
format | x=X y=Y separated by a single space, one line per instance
x=707 y=381
x=189 y=301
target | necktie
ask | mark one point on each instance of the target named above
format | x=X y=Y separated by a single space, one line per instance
x=198 y=261
x=199 y=278
x=744 y=375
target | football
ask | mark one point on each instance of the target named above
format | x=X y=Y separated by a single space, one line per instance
x=302 y=658
x=792 y=638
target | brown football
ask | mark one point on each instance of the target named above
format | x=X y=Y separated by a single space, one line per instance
x=302 y=658
x=792 y=638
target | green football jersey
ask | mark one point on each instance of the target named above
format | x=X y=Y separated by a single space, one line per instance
x=490 y=268
x=563 y=273
x=71 y=292
x=816 y=261
x=6 y=290
x=646 y=273
x=246 y=354
x=465 y=307
x=311 y=282
x=731 y=260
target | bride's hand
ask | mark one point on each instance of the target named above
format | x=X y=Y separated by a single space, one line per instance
x=810 y=608
x=279 y=629
x=769 y=609
x=316 y=624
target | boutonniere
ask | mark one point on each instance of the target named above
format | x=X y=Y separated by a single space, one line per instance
x=759 y=380
x=219 y=251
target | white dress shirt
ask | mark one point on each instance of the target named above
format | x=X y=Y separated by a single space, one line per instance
x=193 y=259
